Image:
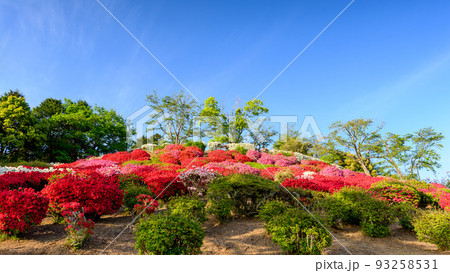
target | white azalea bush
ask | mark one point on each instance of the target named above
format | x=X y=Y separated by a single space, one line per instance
x=246 y=146
x=25 y=169
x=214 y=145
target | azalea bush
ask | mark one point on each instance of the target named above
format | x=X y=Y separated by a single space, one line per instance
x=235 y=167
x=245 y=193
x=434 y=227
x=20 y=209
x=121 y=157
x=169 y=235
x=79 y=228
x=33 y=179
x=145 y=205
x=395 y=192
x=190 y=207
x=97 y=194
x=219 y=156
x=297 y=232
x=164 y=183
x=331 y=171
x=131 y=193
x=197 y=180
x=253 y=155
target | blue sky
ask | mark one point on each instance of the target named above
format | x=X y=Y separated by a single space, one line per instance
x=387 y=60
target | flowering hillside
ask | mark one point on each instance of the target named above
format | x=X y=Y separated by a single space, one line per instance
x=138 y=180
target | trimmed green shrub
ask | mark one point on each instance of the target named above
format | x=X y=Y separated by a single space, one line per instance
x=373 y=215
x=192 y=208
x=169 y=235
x=434 y=227
x=246 y=193
x=406 y=213
x=297 y=232
x=376 y=216
x=336 y=212
x=351 y=198
x=131 y=193
x=272 y=209
x=221 y=209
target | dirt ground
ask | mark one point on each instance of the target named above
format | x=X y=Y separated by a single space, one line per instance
x=238 y=237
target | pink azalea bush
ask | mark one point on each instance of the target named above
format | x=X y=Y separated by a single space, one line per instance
x=235 y=167
x=253 y=155
x=331 y=171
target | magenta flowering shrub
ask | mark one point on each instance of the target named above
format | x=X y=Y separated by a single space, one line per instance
x=444 y=201
x=395 y=192
x=95 y=163
x=331 y=171
x=197 y=180
x=109 y=170
x=286 y=161
x=266 y=161
x=253 y=155
x=235 y=167
x=347 y=172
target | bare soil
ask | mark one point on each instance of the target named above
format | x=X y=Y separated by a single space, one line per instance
x=237 y=237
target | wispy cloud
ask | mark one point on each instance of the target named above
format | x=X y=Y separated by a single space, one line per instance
x=387 y=97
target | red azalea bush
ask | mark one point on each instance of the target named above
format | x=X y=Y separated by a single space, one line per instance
x=444 y=201
x=242 y=158
x=15 y=180
x=395 y=192
x=317 y=183
x=316 y=163
x=304 y=184
x=269 y=172
x=139 y=155
x=194 y=163
x=164 y=183
x=147 y=203
x=19 y=209
x=190 y=152
x=170 y=157
x=232 y=153
x=361 y=180
x=97 y=194
x=79 y=228
x=121 y=157
x=219 y=156
x=173 y=147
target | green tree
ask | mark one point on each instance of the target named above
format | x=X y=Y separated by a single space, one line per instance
x=294 y=142
x=393 y=149
x=174 y=115
x=424 y=154
x=75 y=130
x=231 y=127
x=18 y=134
x=359 y=137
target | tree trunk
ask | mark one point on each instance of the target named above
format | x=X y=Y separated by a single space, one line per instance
x=361 y=161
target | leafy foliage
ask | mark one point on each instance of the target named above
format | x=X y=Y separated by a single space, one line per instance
x=169 y=235
x=192 y=208
x=297 y=232
x=245 y=193
x=434 y=227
